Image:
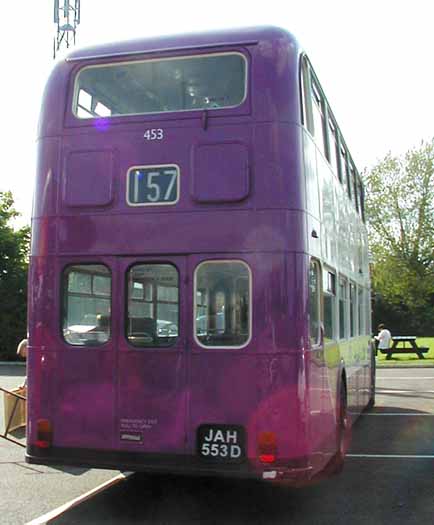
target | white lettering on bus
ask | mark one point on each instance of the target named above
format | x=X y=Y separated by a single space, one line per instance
x=154 y=134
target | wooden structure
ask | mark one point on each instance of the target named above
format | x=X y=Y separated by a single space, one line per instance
x=15 y=412
x=405 y=344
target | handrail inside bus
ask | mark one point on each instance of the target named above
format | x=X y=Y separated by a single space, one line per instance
x=162 y=50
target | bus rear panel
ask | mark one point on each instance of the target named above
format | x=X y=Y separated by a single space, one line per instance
x=170 y=287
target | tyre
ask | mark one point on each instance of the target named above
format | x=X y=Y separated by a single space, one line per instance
x=343 y=433
x=371 y=402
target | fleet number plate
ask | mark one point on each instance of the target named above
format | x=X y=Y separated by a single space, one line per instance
x=221 y=443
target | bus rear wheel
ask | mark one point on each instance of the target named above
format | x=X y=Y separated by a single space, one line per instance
x=336 y=464
x=371 y=402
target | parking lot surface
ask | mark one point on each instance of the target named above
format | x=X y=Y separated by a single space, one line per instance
x=29 y=491
x=388 y=478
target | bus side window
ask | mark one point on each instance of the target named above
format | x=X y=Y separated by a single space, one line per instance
x=353 y=310
x=354 y=185
x=318 y=119
x=362 y=200
x=345 y=174
x=361 y=309
x=334 y=151
x=314 y=303
x=343 y=312
x=306 y=100
x=329 y=298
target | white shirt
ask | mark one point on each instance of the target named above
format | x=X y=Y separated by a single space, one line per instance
x=384 y=338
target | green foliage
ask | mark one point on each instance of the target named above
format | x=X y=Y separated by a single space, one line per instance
x=14 y=248
x=400 y=210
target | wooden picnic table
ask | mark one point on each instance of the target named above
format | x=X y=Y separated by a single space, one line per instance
x=405 y=344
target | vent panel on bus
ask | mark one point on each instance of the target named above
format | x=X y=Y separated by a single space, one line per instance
x=88 y=178
x=220 y=172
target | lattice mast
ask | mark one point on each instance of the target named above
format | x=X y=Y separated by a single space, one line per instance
x=67 y=18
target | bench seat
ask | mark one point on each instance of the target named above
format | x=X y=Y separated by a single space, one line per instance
x=409 y=350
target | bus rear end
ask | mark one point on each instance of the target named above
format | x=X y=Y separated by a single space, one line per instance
x=166 y=333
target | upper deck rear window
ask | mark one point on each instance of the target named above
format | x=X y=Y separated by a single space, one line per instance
x=158 y=86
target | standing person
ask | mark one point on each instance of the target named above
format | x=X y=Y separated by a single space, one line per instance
x=384 y=336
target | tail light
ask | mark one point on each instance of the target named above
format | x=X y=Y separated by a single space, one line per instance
x=44 y=434
x=267 y=447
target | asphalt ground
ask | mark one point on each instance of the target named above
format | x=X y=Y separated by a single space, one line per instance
x=388 y=478
x=28 y=491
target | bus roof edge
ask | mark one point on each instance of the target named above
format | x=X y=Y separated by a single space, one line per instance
x=159 y=50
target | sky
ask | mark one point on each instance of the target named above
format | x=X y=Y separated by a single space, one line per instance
x=374 y=60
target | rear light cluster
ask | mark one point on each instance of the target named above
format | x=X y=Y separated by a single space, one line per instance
x=267 y=447
x=44 y=433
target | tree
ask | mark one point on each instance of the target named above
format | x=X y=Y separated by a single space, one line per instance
x=400 y=210
x=14 y=248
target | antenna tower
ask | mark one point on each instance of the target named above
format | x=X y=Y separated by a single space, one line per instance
x=67 y=18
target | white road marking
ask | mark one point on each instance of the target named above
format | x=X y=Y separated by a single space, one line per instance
x=391 y=456
x=387 y=391
x=42 y=520
x=392 y=378
x=402 y=414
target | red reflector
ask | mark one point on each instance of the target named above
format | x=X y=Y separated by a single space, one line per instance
x=42 y=444
x=44 y=433
x=267 y=447
x=267 y=458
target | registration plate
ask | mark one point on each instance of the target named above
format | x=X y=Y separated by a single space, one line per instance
x=221 y=443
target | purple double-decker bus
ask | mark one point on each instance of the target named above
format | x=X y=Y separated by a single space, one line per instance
x=199 y=292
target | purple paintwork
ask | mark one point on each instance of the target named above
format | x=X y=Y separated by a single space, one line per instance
x=257 y=214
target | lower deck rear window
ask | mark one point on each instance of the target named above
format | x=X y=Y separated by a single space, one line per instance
x=86 y=304
x=153 y=305
x=223 y=304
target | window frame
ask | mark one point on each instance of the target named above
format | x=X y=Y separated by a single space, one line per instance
x=345 y=171
x=361 y=310
x=317 y=98
x=116 y=63
x=318 y=343
x=64 y=294
x=353 y=318
x=154 y=295
x=305 y=82
x=250 y=315
x=354 y=183
x=345 y=281
x=326 y=291
x=333 y=143
x=362 y=199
